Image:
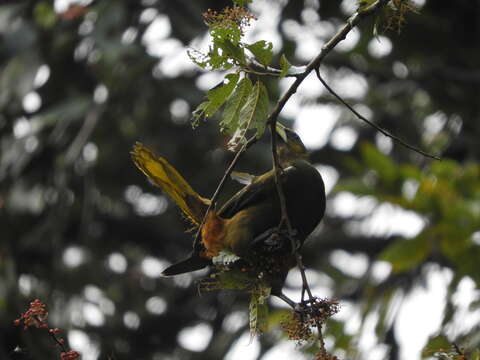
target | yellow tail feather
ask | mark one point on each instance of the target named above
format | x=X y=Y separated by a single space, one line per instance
x=164 y=175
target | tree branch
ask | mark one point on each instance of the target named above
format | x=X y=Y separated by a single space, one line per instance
x=91 y=120
x=272 y=120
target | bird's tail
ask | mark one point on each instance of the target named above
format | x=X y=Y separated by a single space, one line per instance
x=192 y=263
x=164 y=175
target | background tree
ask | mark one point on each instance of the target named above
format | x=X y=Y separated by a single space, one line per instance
x=83 y=231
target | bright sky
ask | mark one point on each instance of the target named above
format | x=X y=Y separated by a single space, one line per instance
x=316 y=124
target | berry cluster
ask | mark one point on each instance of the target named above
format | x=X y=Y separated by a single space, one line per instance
x=238 y=16
x=36 y=316
x=298 y=325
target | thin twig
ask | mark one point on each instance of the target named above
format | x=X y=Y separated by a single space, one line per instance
x=375 y=126
x=91 y=120
x=59 y=343
x=52 y=334
x=277 y=171
x=288 y=301
x=250 y=142
x=255 y=67
x=285 y=220
x=326 y=49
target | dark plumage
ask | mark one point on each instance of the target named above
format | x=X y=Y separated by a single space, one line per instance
x=245 y=224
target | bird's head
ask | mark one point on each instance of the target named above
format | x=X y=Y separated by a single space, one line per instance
x=289 y=146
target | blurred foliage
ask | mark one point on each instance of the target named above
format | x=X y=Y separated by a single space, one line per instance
x=446 y=195
x=83 y=231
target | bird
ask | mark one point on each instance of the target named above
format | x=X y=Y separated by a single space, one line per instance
x=247 y=224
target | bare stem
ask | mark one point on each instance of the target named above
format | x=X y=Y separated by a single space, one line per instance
x=91 y=120
x=53 y=335
x=284 y=220
x=326 y=49
x=59 y=343
x=375 y=126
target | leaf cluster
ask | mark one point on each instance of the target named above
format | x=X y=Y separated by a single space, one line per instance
x=446 y=196
x=246 y=101
x=226 y=29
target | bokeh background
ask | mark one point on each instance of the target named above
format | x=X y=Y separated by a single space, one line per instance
x=82 y=229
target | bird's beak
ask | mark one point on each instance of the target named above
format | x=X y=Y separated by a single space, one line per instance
x=281 y=131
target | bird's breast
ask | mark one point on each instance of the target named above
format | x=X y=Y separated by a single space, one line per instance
x=213 y=234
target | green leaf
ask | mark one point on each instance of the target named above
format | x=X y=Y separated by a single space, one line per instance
x=231 y=114
x=229 y=30
x=261 y=110
x=198 y=58
x=45 y=14
x=404 y=255
x=284 y=66
x=220 y=62
x=262 y=50
x=216 y=97
x=437 y=344
x=362 y=4
x=199 y=113
x=466 y=263
x=475 y=354
x=242 y=2
x=454 y=240
x=212 y=60
x=257 y=321
x=234 y=52
x=219 y=94
x=259 y=309
x=410 y=171
x=253 y=115
x=231 y=280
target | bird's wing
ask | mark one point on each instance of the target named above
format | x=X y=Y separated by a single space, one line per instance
x=259 y=190
x=242 y=177
x=251 y=194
